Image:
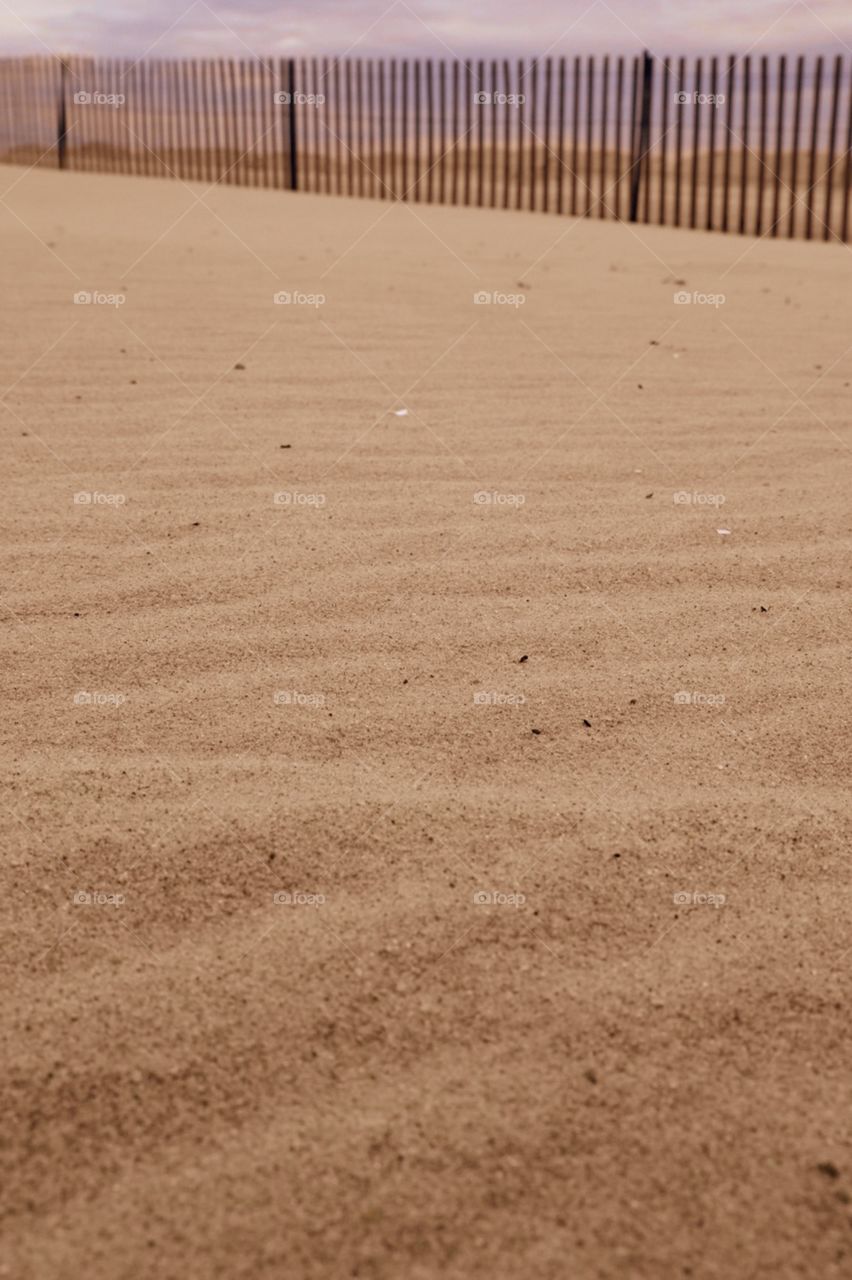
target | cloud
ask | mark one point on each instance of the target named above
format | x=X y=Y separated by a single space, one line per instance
x=430 y=28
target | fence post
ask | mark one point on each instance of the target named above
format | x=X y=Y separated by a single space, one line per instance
x=291 y=86
x=641 y=136
x=62 y=118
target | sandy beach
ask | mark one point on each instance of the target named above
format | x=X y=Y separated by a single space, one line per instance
x=424 y=813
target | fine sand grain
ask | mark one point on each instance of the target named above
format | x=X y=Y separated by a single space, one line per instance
x=391 y=700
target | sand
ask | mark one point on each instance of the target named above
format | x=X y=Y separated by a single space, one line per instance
x=389 y=700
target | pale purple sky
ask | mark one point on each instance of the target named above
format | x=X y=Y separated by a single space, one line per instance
x=434 y=28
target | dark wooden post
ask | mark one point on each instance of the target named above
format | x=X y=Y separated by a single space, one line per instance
x=62 y=120
x=291 y=115
x=642 y=128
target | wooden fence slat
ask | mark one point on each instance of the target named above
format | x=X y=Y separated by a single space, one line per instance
x=779 y=146
x=590 y=112
x=140 y=123
x=338 y=159
x=507 y=134
x=359 y=143
x=185 y=89
x=533 y=133
x=832 y=143
x=249 y=107
x=455 y=147
x=519 y=201
x=812 y=165
x=208 y=166
x=468 y=133
x=371 y=129
x=259 y=117
x=730 y=85
x=664 y=137
x=184 y=143
x=405 y=129
x=642 y=171
x=847 y=175
x=764 y=117
x=745 y=146
x=575 y=137
x=383 y=133
x=103 y=156
x=169 y=159
x=430 y=131
x=794 y=162
x=480 y=159
x=696 y=147
x=495 y=127
x=442 y=130
x=348 y=140
x=560 y=152
x=233 y=165
x=619 y=112
x=545 y=177
x=392 y=169
x=681 y=113
x=417 y=173
x=711 y=152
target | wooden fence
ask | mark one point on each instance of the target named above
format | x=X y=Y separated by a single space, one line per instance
x=750 y=145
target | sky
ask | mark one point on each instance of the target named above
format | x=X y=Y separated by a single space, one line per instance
x=428 y=28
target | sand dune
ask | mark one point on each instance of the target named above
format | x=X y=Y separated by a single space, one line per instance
x=446 y=666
